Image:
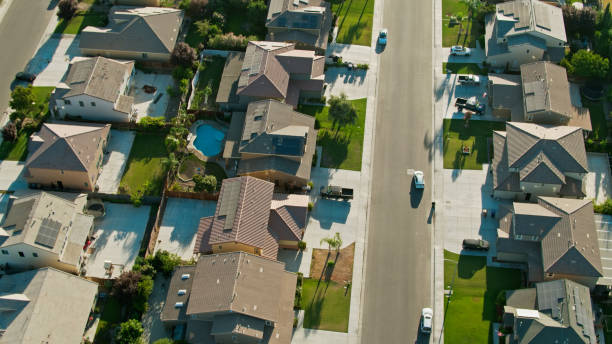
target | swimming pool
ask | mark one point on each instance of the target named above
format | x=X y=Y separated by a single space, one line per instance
x=208 y=140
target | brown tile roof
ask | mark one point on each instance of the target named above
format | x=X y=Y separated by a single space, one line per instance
x=242 y=284
x=71 y=147
x=288 y=216
x=228 y=86
x=241 y=216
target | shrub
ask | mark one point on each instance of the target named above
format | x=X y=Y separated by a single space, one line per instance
x=218 y=19
x=300 y=278
x=9 y=132
x=229 y=41
x=315 y=157
x=297 y=301
x=184 y=55
x=125 y=286
x=310 y=206
x=197 y=8
x=206 y=29
x=172 y=92
x=604 y=208
x=302 y=245
x=330 y=264
x=165 y=262
x=207 y=183
x=181 y=72
x=364 y=66
x=66 y=9
x=150 y=123
x=136 y=198
x=587 y=64
x=317 y=124
x=129 y=332
x=295 y=322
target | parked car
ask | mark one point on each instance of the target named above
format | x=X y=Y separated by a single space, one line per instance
x=419 y=180
x=475 y=244
x=336 y=192
x=426 y=320
x=25 y=76
x=469 y=79
x=471 y=104
x=382 y=37
x=459 y=50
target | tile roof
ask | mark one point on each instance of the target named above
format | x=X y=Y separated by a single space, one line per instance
x=288 y=216
x=71 y=147
x=529 y=16
x=228 y=86
x=136 y=29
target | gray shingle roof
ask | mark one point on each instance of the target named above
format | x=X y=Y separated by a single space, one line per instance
x=287 y=20
x=137 y=29
x=545 y=88
x=179 y=290
x=529 y=16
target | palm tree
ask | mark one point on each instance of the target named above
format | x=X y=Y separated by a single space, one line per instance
x=337 y=242
x=330 y=243
x=170 y=163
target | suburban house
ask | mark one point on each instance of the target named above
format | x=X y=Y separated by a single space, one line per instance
x=249 y=217
x=552 y=312
x=45 y=306
x=538 y=160
x=231 y=298
x=524 y=31
x=96 y=89
x=154 y=3
x=66 y=155
x=272 y=142
x=542 y=94
x=44 y=229
x=555 y=238
x=270 y=70
x=307 y=23
x=134 y=33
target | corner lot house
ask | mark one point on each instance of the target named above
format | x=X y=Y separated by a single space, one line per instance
x=232 y=298
x=96 y=89
x=524 y=31
x=250 y=218
x=542 y=94
x=536 y=160
x=307 y=23
x=549 y=312
x=45 y=306
x=66 y=155
x=556 y=238
x=272 y=142
x=134 y=33
x=270 y=70
x=44 y=229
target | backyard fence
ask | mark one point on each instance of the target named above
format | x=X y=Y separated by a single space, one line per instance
x=158 y=221
x=204 y=196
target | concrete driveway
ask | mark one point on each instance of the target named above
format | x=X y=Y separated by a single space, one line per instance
x=353 y=83
x=597 y=183
x=179 y=227
x=11 y=175
x=145 y=103
x=603 y=225
x=119 y=146
x=448 y=89
x=52 y=59
x=350 y=52
x=118 y=236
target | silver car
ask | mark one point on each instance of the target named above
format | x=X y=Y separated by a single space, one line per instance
x=459 y=50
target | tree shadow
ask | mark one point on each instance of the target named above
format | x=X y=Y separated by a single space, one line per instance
x=335 y=147
x=348 y=7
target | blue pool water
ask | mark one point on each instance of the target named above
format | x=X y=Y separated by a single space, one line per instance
x=208 y=140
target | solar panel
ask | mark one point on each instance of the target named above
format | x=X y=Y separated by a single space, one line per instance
x=47 y=234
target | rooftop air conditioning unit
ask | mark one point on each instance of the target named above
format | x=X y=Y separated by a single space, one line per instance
x=178 y=305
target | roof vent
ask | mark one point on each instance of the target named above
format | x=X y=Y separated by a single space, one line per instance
x=178 y=305
x=254 y=307
x=218 y=282
x=261 y=269
x=185 y=276
x=107 y=264
x=182 y=292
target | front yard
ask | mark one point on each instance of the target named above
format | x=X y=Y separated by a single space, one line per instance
x=210 y=76
x=145 y=164
x=354 y=21
x=465 y=34
x=463 y=68
x=476 y=138
x=342 y=147
x=326 y=305
x=80 y=21
x=472 y=307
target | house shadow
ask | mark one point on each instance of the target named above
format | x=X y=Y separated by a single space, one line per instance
x=43 y=55
x=329 y=211
x=469 y=265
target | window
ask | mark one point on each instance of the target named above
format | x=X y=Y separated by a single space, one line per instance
x=34 y=254
x=4 y=252
x=81 y=104
x=66 y=101
x=258 y=118
x=21 y=254
x=93 y=103
x=253 y=135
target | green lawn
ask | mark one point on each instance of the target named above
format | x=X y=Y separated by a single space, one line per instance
x=18 y=150
x=110 y=317
x=79 y=21
x=471 y=309
x=354 y=21
x=145 y=164
x=598 y=119
x=211 y=75
x=341 y=148
x=463 y=68
x=475 y=137
x=326 y=307
x=470 y=30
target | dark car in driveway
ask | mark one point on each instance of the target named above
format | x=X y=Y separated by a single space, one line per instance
x=475 y=244
x=25 y=76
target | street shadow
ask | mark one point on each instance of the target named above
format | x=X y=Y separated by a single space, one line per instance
x=415 y=195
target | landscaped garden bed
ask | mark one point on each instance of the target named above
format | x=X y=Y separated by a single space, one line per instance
x=208 y=83
x=191 y=166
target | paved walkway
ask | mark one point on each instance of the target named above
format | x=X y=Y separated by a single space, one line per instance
x=598 y=183
x=153 y=327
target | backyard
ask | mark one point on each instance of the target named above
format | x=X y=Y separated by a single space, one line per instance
x=110 y=317
x=145 y=165
x=79 y=21
x=191 y=166
x=354 y=21
x=471 y=309
x=475 y=137
x=598 y=119
x=454 y=34
x=18 y=150
x=210 y=76
x=342 y=146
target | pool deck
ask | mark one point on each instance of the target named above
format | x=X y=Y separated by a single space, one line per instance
x=192 y=149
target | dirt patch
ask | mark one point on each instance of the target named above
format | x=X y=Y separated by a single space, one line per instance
x=342 y=270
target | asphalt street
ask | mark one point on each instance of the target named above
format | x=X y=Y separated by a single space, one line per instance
x=398 y=260
x=20 y=32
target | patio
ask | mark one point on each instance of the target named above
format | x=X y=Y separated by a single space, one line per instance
x=113 y=165
x=151 y=104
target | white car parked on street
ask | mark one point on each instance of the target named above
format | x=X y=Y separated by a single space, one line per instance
x=459 y=50
x=426 y=320
x=419 y=180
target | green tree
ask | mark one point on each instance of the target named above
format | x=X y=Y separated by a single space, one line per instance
x=129 y=332
x=257 y=11
x=587 y=64
x=23 y=100
x=170 y=163
x=171 y=143
x=165 y=262
x=473 y=6
x=329 y=241
x=337 y=242
x=341 y=111
x=206 y=29
x=164 y=341
x=207 y=183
